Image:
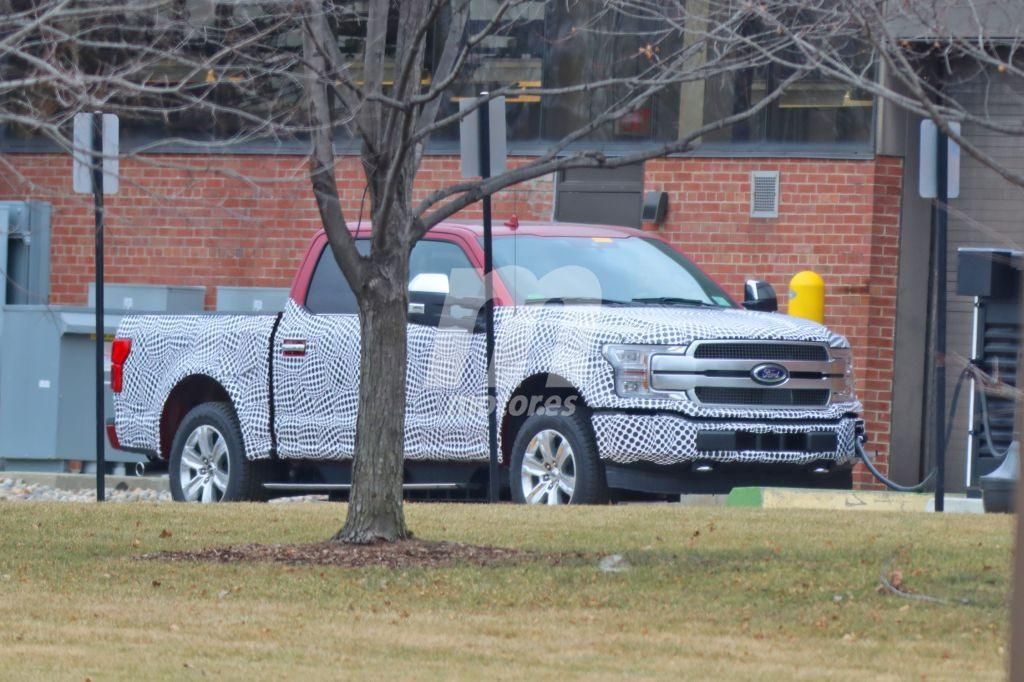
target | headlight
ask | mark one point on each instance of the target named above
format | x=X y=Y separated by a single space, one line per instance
x=632 y=364
x=844 y=356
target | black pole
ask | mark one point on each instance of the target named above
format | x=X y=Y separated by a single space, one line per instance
x=939 y=358
x=97 y=197
x=494 y=472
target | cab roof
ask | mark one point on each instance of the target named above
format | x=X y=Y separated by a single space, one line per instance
x=474 y=229
x=540 y=229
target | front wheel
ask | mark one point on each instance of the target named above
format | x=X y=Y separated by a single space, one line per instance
x=555 y=461
x=208 y=462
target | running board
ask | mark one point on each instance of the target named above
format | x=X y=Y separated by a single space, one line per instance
x=312 y=487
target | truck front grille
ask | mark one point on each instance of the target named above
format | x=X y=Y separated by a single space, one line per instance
x=745 y=350
x=770 y=397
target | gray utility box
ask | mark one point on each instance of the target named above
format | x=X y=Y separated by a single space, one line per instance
x=47 y=376
x=47 y=388
x=24 y=253
x=251 y=299
x=160 y=298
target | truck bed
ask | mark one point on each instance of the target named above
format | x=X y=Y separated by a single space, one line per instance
x=233 y=350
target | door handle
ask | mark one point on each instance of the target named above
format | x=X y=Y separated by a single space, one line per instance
x=293 y=348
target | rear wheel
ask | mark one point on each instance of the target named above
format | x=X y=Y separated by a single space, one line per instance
x=555 y=461
x=208 y=462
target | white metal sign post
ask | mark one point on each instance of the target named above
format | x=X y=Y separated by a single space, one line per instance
x=94 y=171
x=483 y=148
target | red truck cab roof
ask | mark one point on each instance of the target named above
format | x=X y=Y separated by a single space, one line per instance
x=539 y=229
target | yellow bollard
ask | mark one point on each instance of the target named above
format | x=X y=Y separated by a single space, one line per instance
x=807 y=296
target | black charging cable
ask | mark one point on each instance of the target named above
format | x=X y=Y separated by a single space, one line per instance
x=926 y=481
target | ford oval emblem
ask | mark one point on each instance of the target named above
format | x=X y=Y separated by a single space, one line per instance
x=769 y=374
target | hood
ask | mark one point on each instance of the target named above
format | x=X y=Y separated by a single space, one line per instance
x=675 y=324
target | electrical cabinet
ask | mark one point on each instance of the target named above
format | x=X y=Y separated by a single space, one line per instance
x=251 y=299
x=160 y=298
x=992 y=277
x=47 y=388
x=24 y=253
x=47 y=376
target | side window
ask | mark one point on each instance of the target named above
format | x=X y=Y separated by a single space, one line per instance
x=329 y=292
x=445 y=289
x=444 y=266
x=431 y=258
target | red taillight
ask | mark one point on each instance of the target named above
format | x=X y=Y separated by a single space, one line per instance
x=115 y=442
x=118 y=355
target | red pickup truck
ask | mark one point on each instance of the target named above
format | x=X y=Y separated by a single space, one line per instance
x=620 y=366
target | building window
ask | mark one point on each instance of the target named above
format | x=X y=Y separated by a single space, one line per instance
x=236 y=100
x=556 y=45
x=180 y=81
x=814 y=111
x=810 y=112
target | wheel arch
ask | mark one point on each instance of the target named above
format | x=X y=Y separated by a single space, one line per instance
x=542 y=385
x=189 y=392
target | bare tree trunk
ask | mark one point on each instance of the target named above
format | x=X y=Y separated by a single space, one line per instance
x=375 y=506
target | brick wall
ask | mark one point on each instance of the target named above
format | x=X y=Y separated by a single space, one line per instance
x=213 y=221
x=838 y=218
x=246 y=220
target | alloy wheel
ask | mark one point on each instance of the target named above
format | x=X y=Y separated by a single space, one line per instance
x=549 y=469
x=205 y=466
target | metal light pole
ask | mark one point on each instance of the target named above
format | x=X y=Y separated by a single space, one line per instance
x=94 y=170
x=939 y=357
x=493 y=471
x=939 y=179
x=97 y=198
x=483 y=151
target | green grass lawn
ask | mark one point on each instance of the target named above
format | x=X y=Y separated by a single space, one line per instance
x=712 y=593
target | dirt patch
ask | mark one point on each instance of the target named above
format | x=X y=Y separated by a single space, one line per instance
x=413 y=553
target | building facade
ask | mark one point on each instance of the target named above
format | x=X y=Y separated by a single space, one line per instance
x=986 y=214
x=200 y=212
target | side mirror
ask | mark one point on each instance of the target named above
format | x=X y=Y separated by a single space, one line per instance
x=427 y=294
x=432 y=303
x=759 y=295
x=430 y=283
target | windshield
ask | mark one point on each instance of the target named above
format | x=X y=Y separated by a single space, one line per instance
x=602 y=270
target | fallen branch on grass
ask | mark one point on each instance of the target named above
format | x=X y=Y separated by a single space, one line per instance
x=892 y=582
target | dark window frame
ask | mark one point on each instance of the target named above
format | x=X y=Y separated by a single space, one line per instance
x=334 y=288
x=327 y=268
x=854 y=151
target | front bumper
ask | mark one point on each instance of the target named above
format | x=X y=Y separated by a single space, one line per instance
x=667 y=439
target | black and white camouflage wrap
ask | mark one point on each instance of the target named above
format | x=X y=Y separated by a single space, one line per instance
x=567 y=341
x=316 y=394
x=233 y=350
x=660 y=438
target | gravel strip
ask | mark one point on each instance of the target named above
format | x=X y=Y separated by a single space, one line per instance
x=17 y=490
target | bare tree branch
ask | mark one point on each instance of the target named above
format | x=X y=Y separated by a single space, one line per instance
x=321 y=161
x=473 y=191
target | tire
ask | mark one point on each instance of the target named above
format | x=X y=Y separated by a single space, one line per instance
x=582 y=483
x=211 y=431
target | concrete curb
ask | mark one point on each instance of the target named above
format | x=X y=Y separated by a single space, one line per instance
x=834 y=500
x=88 y=481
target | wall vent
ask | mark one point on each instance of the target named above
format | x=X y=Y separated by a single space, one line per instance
x=764 y=194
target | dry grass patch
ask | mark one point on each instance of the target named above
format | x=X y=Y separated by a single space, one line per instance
x=738 y=594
